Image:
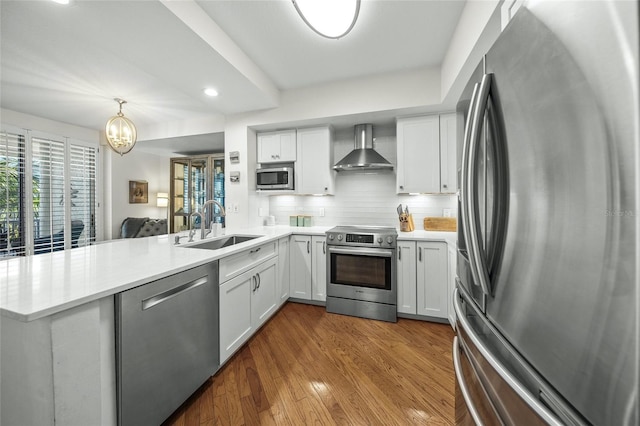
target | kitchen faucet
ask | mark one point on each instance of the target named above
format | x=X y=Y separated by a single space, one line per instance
x=202 y=228
x=222 y=213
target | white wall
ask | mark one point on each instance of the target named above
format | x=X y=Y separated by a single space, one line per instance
x=409 y=89
x=135 y=165
x=173 y=129
x=361 y=198
x=32 y=122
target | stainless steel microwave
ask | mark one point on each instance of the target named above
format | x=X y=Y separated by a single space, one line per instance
x=274 y=178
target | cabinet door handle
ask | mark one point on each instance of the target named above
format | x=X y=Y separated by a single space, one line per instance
x=399 y=253
x=308 y=247
x=258 y=279
x=420 y=254
x=324 y=247
x=255 y=283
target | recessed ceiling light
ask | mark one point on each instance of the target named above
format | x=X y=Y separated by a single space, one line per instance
x=329 y=18
x=210 y=92
x=61 y=1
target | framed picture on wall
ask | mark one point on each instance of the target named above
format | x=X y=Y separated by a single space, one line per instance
x=138 y=192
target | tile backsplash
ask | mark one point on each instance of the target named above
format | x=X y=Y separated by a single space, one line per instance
x=361 y=198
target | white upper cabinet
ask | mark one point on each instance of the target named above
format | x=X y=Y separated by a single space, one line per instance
x=277 y=147
x=418 y=144
x=314 y=172
x=426 y=154
x=448 y=171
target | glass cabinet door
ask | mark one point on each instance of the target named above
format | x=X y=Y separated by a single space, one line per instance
x=194 y=180
x=199 y=186
x=180 y=206
x=218 y=186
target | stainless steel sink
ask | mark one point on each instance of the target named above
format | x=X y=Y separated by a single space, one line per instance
x=219 y=243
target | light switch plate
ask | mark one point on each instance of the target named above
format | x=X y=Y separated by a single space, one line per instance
x=446 y=212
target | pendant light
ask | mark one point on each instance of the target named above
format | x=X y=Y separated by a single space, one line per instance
x=121 y=132
x=329 y=18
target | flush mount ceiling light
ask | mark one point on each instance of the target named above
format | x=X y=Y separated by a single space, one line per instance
x=329 y=18
x=121 y=132
x=210 y=92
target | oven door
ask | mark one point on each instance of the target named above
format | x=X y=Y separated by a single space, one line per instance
x=361 y=273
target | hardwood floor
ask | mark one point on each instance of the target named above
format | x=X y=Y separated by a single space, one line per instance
x=306 y=366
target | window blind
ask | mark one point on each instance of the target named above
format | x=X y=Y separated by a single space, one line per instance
x=83 y=200
x=48 y=169
x=12 y=194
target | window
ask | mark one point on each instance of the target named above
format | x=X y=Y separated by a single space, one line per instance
x=48 y=196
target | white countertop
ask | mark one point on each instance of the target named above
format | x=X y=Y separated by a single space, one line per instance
x=33 y=287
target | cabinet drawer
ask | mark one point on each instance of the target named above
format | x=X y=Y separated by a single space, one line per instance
x=238 y=263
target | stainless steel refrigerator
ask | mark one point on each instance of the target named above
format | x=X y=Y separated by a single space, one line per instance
x=547 y=289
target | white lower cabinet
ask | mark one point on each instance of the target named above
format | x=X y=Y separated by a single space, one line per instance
x=246 y=302
x=235 y=314
x=432 y=277
x=406 y=275
x=308 y=272
x=263 y=294
x=300 y=270
x=319 y=268
x=423 y=272
x=453 y=253
x=282 y=284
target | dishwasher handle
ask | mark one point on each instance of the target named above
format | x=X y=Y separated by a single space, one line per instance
x=164 y=296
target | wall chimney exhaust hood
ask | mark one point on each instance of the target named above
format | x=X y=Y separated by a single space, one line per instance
x=363 y=156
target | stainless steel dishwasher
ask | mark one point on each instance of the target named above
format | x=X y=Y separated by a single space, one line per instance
x=167 y=343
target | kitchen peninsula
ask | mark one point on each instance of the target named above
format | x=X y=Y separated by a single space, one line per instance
x=57 y=324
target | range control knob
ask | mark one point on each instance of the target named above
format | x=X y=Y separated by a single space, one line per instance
x=339 y=237
x=389 y=240
x=379 y=240
x=331 y=236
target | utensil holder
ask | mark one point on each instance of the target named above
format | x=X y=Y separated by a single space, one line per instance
x=406 y=223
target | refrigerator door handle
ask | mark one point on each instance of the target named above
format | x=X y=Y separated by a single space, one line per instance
x=464 y=173
x=457 y=367
x=517 y=387
x=479 y=269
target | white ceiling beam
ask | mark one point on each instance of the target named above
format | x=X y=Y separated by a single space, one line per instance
x=194 y=17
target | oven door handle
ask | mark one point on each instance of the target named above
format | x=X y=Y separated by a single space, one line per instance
x=362 y=251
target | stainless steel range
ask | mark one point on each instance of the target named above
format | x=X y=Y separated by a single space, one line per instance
x=361 y=272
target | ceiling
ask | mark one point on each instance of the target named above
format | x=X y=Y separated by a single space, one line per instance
x=67 y=63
